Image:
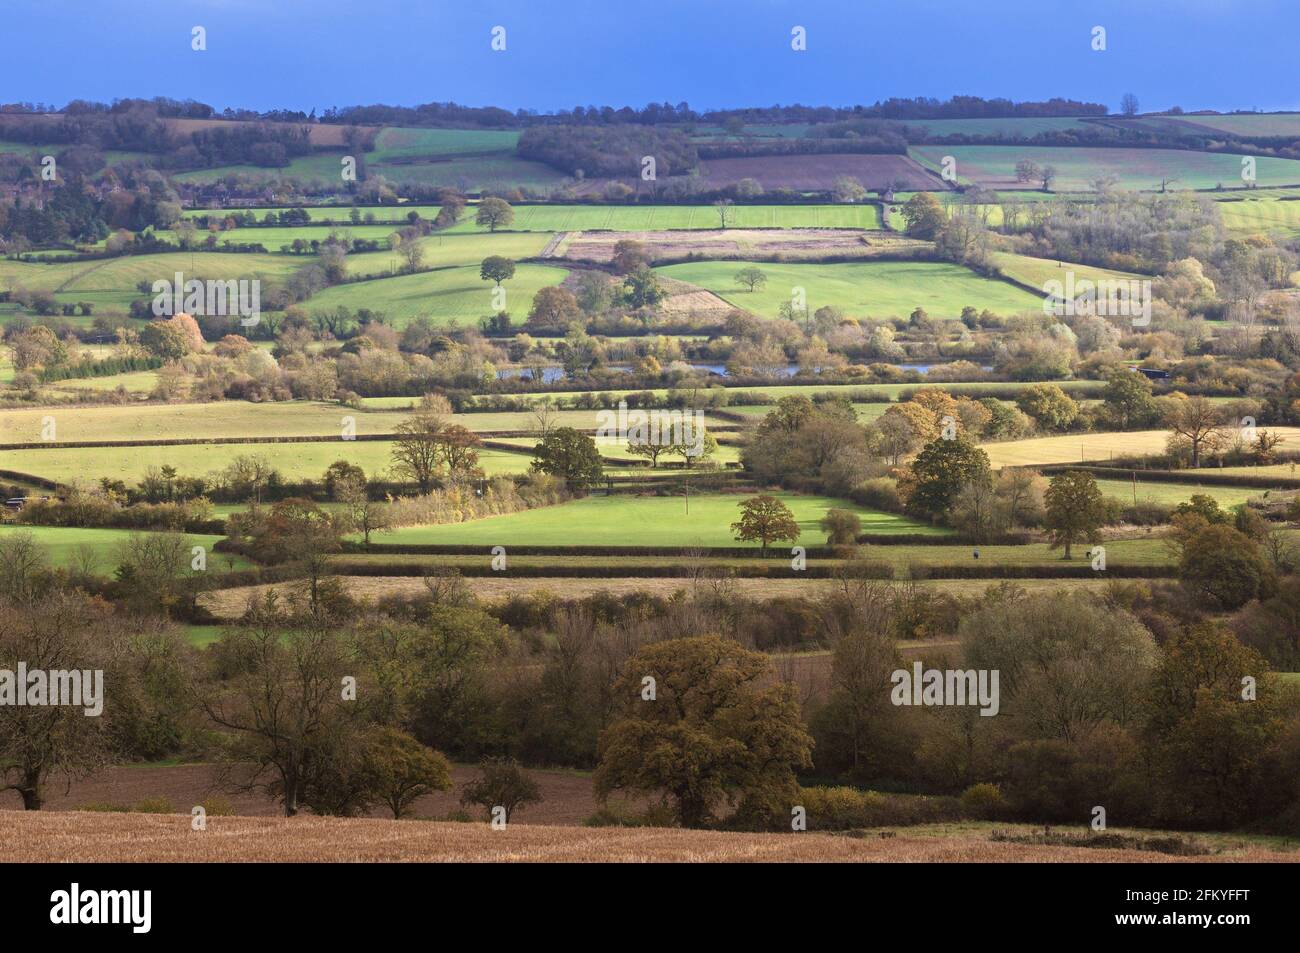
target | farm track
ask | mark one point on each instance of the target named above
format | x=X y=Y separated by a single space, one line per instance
x=549 y=250
x=82 y=274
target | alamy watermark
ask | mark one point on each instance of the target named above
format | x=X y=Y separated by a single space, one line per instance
x=1105 y=298
x=242 y=297
x=76 y=688
x=940 y=687
x=660 y=428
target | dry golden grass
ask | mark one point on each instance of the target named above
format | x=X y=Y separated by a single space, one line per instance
x=36 y=837
x=1092 y=447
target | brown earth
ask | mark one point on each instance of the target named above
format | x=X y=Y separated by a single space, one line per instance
x=32 y=837
x=567 y=796
x=739 y=243
x=230 y=604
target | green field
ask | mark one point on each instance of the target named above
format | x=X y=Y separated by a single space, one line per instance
x=62 y=546
x=1038 y=271
x=340 y=215
x=876 y=289
x=295 y=461
x=642 y=521
x=739 y=395
x=1269 y=213
x=204 y=635
x=452 y=294
x=1242 y=124
x=1140 y=169
x=111 y=284
x=632 y=218
x=298 y=418
x=1171 y=494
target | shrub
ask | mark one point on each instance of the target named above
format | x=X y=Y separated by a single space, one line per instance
x=984 y=801
x=880 y=493
x=843 y=808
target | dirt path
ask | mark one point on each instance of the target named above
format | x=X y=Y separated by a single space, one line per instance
x=550 y=250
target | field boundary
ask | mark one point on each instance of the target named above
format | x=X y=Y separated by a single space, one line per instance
x=1187 y=477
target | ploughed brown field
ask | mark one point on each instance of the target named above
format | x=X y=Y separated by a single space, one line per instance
x=28 y=837
x=230 y=604
x=567 y=796
x=739 y=243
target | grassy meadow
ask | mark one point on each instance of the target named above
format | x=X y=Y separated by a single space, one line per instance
x=624 y=520
x=65 y=546
x=875 y=289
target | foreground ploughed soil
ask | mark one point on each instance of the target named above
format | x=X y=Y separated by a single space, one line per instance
x=83 y=836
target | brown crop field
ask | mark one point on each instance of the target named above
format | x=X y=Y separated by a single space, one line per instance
x=36 y=837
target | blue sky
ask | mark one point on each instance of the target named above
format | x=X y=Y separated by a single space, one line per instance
x=1216 y=54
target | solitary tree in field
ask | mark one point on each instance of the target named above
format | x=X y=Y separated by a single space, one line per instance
x=1046 y=176
x=494 y=213
x=496 y=268
x=1128 y=104
x=629 y=256
x=282 y=705
x=458 y=449
x=38 y=742
x=412 y=253
x=719 y=727
x=569 y=454
x=723 y=207
x=364 y=515
x=751 y=278
x=501 y=784
x=765 y=519
x=398 y=769
x=1076 y=510
x=650 y=449
x=841 y=527
x=1194 y=419
x=1027 y=171
x=848 y=189
x=417 y=452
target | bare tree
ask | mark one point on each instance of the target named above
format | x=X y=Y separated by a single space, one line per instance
x=66 y=633
x=546 y=414
x=723 y=207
